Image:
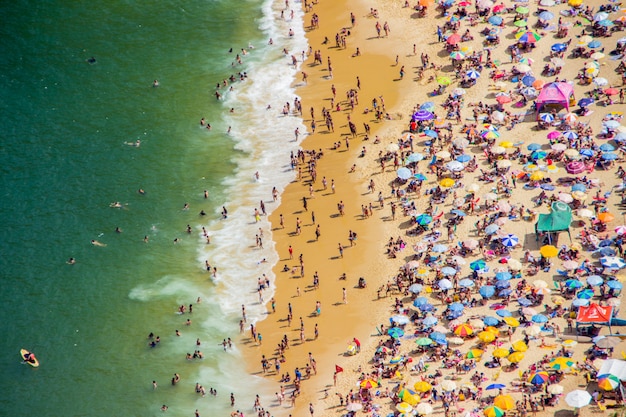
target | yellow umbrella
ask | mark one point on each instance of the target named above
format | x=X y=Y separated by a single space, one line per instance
x=422 y=386
x=506 y=144
x=410 y=399
x=447 y=182
x=493 y=411
x=492 y=329
x=444 y=80
x=505 y=402
x=569 y=343
x=536 y=176
x=511 y=321
x=474 y=353
x=404 y=408
x=500 y=353
x=486 y=336
x=533 y=167
x=515 y=357
x=463 y=330
x=575 y=3
x=548 y=251
x=561 y=363
x=520 y=346
x=558 y=300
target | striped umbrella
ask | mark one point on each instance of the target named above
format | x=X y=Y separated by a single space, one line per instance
x=608 y=382
x=538 y=378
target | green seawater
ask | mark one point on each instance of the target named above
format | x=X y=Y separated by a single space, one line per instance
x=63 y=160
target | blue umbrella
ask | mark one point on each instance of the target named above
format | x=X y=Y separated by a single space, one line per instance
x=463 y=158
x=607 y=252
x=431 y=133
x=528 y=80
x=440 y=248
x=495 y=20
x=606 y=23
x=614 y=285
x=611 y=124
x=587 y=152
x=586 y=293
x=607 y=147
x=594 y=44
x=448 y=271
x=612 y=262
x=609 y=156
x=503 y=276
x=505 y=293
x=491 y=229
x=445 y=284
x=503 y=284
x=420 y=177
x=595 y=280
x=456 y=307
x=414 y=157
x=495 y=386
x=558 y=47
x=539 y=318
x=458 y=212
x=404 y=173
x=510 y=240
x=478 y=264
x=430 y=321
x=491 y=321
x=579 y=187
x=584 y=102
x=546 y=15
x=429 y=105
x=423 y=219
x=438 y=337
x=538 y=155
x=487 y=291
x=547 y=187
x=420 y=301
x=533 y=147
x=570 y=134
x=416 y=288
x=574 y=283
x=395 y=332
x=579 y=302
x=524 y=301
x=454 y=315
x=605 y=243
x=466 y=283
x=620 y=137
x=473 y=74
x=504 y=313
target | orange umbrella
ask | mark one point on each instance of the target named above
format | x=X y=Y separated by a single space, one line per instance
x=505 y=402
x=606 y=217
x=425 y=3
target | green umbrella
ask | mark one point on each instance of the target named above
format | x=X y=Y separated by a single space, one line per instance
x=444 y=80
x=522 y=10
x=520 y=23
x=424 y=341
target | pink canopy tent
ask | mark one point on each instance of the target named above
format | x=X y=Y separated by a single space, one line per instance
x=559 y=94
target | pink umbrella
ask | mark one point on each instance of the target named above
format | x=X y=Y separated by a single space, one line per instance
x=453 y=39
x=575 y=167
x=570 y=265
x=503 y=99
x=554 y=134
x=611 y=91
x=498 y=8
x=620 y=230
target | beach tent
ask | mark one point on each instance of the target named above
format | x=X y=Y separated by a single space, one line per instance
x=558 y=220
x=594 y=314
x=555 y=95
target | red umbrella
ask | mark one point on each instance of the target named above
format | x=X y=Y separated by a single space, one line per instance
x=611 y=91
x=503 y=99
x=453 y=39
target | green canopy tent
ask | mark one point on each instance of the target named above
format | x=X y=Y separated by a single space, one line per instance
x=558 y=220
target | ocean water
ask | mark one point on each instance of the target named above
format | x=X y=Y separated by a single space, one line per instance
x=68 y=129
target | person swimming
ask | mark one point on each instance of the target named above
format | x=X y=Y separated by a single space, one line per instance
x=91 y=60
x=97 y=243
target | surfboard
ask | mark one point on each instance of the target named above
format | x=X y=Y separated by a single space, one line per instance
x=23 y=353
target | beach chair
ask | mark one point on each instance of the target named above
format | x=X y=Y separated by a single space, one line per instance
x=623 y=355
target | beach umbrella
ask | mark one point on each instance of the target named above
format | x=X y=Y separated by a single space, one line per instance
x=368 y=383
x=493 y=411
x=404 y=173
x=570 y=265
x=520 y=23
x=395 y=332
x=495 y=20
x=528 y=81
x=504 y=313
x=443 y=80
x=514 y=264
x=532 y=330
x=519 y=346
x=438 y=337
x=600 y=16
x=466 y=283
x=608 y=342
x=538 y=155
x=557 y=62
x=528 y=36
x=453 y=39
x=558 y=47
x=515 y=357
x=511 y=321
x=594 y=44
x=600 y=82
x=457 y=55
x=426 y=307
x=529 y=92
x=487 y=291
x=457 y=92
x=555 y=389
x=430 y=321
x=396 y=359
x=548 y=251
x=455 y=166
x=459 y=213
x=400 y=319
x=605 y=23
x=478 y=265
x=440 y=248
x=573 y=283
x=486 y=337
x=595 y=280
x=499 y=353
x=429 y=105
x=578 y=398
x=608 y=382
x=611 y=124
x=422 y=386
x=464 y=330
x=456 y=307
x=585 y=294
x=424 y=341
x=423 y=409
x=570 y=134
x=505 y=292
x=538 y=378
x=491 y=321
x=606 y=217
x=448 y=271
x=445 y=284
x=580 y=302
x=423 y=115
x=420 y=177
x=609 y=156
x=423 y=219
x=614 y=285
x=491 y=229
x=561 y=363
x=546 y=15
x=505 y=402
x=448 y=385
x=420 y=301
x=524 y=302
x=503 y=276
x=416 y=288
x=539 y=318
x=472 y=74
x=533 y=147
x=404 y=408
x=529 y=311
x=353 y=407
x=579 y=187
x=474 y=354
x=510 y=240
x=597 y=55
x=443 y=154
x=607 y=147
x=464 y=157
x=414 y=157
x=472 y=244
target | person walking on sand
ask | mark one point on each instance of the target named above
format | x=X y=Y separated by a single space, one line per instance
x=340 y=250
x=345 y=296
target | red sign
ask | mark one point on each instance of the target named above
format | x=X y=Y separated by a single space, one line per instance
x=594 y=313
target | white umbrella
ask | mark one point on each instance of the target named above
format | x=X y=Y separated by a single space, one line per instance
x=448 y=385
x=533 y=330
x=455 y=166
x=472 y=188
x=600 y=81
x=514 y=264
x=455 y=341
x=497 y=150
x=540 y=284
x=504 y=163
x=443 y=154
x=555 y=389
x=354 y=407
x=578 y=398
x=491 y=196
x=393 y=147
x=585 y=213
x=424 y=408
